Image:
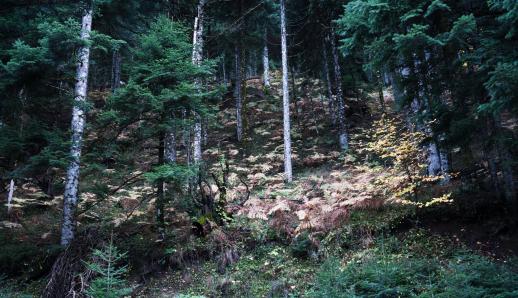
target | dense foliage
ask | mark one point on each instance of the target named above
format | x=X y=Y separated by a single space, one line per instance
x=168 y=125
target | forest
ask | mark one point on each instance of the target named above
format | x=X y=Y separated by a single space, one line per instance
x=258 y=148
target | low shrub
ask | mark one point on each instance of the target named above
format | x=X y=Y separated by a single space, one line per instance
x=377 y=274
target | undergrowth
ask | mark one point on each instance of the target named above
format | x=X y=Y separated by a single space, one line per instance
x=418 y=266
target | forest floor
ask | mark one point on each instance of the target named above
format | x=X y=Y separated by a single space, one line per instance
x=329 y=210
x=279 y=235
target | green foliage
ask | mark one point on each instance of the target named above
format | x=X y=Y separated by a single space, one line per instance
x=177 y=174
x=382 y=273
x=26 y=260
x=303 y=246
x=109 y=280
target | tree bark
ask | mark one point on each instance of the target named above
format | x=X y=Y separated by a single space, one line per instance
x=329 y=85
x=296 y=100
x=288 y=176
x=197 y=57
x=266 y=61
x=238 y=94
x=224 y=69
x=170 y=146
x=116 y=70
x=160 y=200
x=10 y=196
x=70 y=197
x=506 y=165
x=342 y=130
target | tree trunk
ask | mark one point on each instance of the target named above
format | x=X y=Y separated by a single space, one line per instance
x=186 y=138
x=170 y=146
x=381 y=97
x=238 y=94
x=224 y=69
x=266 y=61
x=160 y=200
x=78 y=122
x=116 y=70
x=329 y=85
x=10 y=196
x=285 y=97
x=197 y=57
x=434 y=160
x=342 y=130
x=197 y=155
x=296 y=100
x=506 y=165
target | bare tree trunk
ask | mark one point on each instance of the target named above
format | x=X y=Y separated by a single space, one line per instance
x=238 y=94
x=506 y=165
x=288 y=176
x=434 y=159
x=10 y=196
x=116 y=69
x=197 y=57
x=296 y=99
x=266 y=61
x=197 y=155
x=78 y=122
x=160 y=200
x=381 y=97
x=342 y=130
x=224 y=69
x=329 y=85
x=170 y=146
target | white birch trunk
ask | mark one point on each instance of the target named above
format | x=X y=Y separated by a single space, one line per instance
x=197 y=56
x=70 y=197
x=266 y=61
x=288 y=176
x=238 y=94
x=342 y=130
x=10 y=196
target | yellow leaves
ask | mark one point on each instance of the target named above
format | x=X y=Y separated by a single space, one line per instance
x=444 y=199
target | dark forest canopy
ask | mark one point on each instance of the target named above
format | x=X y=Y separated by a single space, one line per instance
x=202 y=114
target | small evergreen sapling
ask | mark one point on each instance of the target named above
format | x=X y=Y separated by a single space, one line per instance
x=109 y=281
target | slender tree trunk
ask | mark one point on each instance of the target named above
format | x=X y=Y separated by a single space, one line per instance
x=238 y=94
x=434 y=159
x=170 y=146
x=116 y=69
x=224 y=69
x=160 y=199
x=329 y=85
x=506 y=165
x=266 y=61
x=381 y=97
x=342 y=130
x=251 y=64
x=197 y=57
x=296 y=99
x=285 y=97
x=10 y=196
x=78 y=121
x=197 y=155
x=186 y=136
